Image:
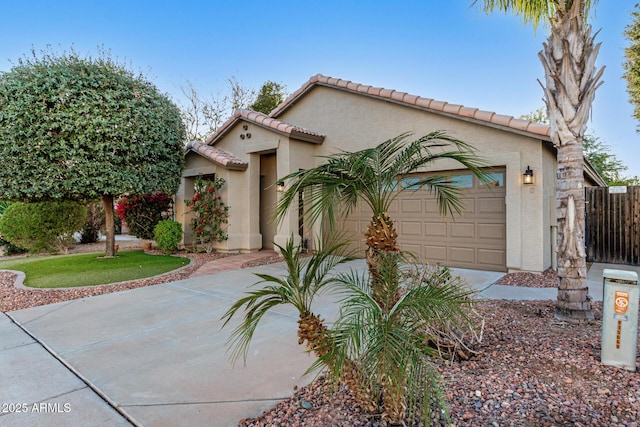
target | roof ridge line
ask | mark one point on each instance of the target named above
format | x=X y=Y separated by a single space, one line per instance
x=437 y=106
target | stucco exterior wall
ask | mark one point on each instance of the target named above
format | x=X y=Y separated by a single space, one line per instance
x=354 y=122
x=243 y=211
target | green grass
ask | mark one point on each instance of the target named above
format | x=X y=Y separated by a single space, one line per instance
x=64 y=271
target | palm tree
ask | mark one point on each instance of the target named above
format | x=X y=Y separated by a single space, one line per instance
x=305 y=279
x=392 y=347
x=379 y=338
x=370 y=175
x=568 y=58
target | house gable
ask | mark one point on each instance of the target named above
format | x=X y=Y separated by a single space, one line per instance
x=487 y=118
x=266 y=122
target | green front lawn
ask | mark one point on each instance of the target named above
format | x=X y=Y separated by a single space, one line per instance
x=65 y=271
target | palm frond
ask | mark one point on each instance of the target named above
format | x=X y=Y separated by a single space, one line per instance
x=304 y=280
x=256 y=304
x=346 y=178
x=534 y=12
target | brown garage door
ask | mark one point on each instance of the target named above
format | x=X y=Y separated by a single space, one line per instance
x=476 y=239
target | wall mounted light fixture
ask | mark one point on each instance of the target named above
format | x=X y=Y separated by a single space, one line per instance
x=527 y=176
x=280 y=187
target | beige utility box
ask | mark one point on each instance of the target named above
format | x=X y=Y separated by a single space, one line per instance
x=620 y=318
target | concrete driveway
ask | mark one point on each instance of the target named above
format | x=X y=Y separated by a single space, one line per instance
x=155 y=356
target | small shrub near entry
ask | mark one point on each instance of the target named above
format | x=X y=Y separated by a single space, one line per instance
x=143 y=211
x=42 y=226
x=210 y=214
x=167 y=235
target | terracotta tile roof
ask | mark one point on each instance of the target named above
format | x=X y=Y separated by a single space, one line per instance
x=216 y=155
x=268 y=122
x=440 y=107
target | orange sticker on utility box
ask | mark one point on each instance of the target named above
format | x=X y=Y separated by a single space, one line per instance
x=621 y=302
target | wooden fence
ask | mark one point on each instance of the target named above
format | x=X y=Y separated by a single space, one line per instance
x=613 y=224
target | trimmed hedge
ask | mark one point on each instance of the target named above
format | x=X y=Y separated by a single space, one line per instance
x=42 y=226
x=167 y=235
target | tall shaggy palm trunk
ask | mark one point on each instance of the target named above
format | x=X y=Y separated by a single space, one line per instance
x=568 y=58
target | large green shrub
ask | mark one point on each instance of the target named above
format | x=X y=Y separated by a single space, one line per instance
x=79 y=127
x=42 y=226
x=167 y=235
x=6 y=247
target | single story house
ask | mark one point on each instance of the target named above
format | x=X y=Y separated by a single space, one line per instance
x=509 y=226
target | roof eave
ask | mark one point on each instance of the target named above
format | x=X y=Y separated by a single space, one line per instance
x=593 y=173
x=231 y=162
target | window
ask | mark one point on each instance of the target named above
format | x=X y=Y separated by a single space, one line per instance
x=462 y=181
x=410 y=183
x=393 y=186
x=495 y=179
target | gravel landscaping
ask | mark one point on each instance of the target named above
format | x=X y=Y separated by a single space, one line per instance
x=531 y=370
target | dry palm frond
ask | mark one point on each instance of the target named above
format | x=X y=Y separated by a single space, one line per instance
x=452 y=338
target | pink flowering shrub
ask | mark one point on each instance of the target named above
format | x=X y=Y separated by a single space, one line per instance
x=142 y=212
x=210 y=214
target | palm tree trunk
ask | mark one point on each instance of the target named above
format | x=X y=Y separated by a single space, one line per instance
x=573 y=301
x=394 y=404
x=382 y=241
x=311 y=329
x=571 y=79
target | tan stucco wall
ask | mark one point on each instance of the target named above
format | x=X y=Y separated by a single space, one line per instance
x=243 y=211
x=354 y=122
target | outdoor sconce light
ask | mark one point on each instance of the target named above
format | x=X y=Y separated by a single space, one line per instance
x=280 y=187
x=527 y=177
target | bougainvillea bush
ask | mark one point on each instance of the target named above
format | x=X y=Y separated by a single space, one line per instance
x=210 y=214
x=143 y=212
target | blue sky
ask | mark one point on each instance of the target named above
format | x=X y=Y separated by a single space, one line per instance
x=441 y=49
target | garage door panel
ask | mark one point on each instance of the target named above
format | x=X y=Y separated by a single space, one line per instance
x=462 y=255
x=431 y=206
x=351 y=226
x=489 y=257
x=410 y=206
x=462 y=230
x=492 y=231
x=435 y=229
x=415 y=248
x=410 y=229
x=469 y=205
x=393 y=207
x=492 y=205
x=434 y=253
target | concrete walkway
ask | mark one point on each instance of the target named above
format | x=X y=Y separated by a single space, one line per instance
x=155 y=356
x=234 y=262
